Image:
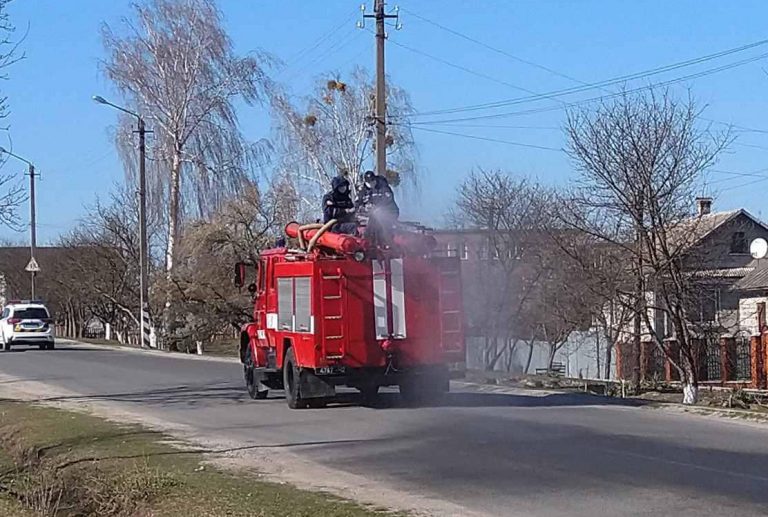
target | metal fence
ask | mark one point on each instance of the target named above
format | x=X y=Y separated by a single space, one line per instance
x=713 y=360
x=742 y=361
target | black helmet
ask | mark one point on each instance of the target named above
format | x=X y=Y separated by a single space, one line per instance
x=368 y=176
x=339 y=181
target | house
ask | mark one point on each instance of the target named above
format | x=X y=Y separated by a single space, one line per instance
x=730 y=292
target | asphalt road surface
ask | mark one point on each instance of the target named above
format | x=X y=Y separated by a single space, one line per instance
x=514 y=453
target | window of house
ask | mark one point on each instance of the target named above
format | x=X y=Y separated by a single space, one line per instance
x=739 y=243
x=464 y=251
x=452 y=249
x=709 y=305
x=483 y=252
x=496 y=254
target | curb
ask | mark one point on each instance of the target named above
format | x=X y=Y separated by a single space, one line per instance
x=173 y=355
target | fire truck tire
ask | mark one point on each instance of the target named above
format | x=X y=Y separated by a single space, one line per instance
x=409 y=390
x=422 y=390
x=251 y=384
x=369 y=395
x=291 y=381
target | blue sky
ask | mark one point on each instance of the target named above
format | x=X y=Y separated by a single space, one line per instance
x=55 y=124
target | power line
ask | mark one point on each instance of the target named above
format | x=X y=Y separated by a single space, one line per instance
x=307 y=50
x=489 y=47
x=753 y=174
x=486 y=126
x=605 y=97
x=745 y=184
x=460 y=67
x=496 y=140
x=597 y=85
x=341 y=42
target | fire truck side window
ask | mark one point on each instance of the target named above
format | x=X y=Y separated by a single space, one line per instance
x=303 y=301
x=285 y=304
x=262 y=275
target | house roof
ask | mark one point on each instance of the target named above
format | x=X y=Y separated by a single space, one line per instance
x=693 y=230
x=756 y=279
x=730 y=272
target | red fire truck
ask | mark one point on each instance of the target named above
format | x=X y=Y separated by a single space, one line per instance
x=335 y=312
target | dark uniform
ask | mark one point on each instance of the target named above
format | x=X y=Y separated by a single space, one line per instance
x=377 y=201
x=337 y=204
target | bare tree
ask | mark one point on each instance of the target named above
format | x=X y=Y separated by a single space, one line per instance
x=331 y=133
x=206 y=301
x=12 y=193
x=100 y=270
x=503 y=293
x=641 y=158
x=9 y=50
x=175 y=64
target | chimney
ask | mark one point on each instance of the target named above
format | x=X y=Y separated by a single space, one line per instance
x=703 y=205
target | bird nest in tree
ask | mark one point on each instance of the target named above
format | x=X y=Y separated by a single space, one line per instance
x=310 y=120
x=337 y=85
x=393 y=177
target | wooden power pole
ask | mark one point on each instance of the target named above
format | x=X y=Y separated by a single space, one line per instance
x=380 y=17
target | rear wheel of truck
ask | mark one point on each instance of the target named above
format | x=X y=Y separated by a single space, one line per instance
x=410 y=390
x=291 y=381
x=423 y=389
x=255 y=390
x=369 y=395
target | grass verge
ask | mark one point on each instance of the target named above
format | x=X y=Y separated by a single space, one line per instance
x=62 y=463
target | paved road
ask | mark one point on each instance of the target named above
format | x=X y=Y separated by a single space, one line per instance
x=493 y=453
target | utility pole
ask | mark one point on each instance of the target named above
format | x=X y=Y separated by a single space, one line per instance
x=381 y=89
x=145 y=322
x=143 y=245
x=32 y=266
x=32 y=225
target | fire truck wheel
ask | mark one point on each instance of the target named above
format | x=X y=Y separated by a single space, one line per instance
x=250 y=378
x=410 y=391
x=291 y=382
x=369 y=395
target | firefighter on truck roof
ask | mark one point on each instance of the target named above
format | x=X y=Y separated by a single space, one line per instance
x=376 y=201
x=337 y=204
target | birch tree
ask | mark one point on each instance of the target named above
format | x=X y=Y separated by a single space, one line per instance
x=174 y=63
x=12 y=193
x=641 y=159
x=331 y=132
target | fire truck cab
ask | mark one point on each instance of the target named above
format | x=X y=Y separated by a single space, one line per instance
x=340 y=314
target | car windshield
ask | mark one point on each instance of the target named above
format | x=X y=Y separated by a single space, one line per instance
x=31 y=313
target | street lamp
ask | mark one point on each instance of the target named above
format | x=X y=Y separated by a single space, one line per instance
x=143 y=246
x=32 y=267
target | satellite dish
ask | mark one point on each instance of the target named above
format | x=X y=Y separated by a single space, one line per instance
x=759 y=248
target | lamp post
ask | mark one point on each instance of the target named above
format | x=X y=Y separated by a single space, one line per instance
x=32 y=267
x=143 y=246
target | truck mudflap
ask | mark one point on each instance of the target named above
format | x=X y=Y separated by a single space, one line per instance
x=312 y=386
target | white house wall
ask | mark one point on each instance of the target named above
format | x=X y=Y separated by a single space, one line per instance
x=748 y=314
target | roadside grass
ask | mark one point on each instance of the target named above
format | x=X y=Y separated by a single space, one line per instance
x=62 y=463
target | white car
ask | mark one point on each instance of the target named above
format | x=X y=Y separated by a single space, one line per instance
x=26 y=323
